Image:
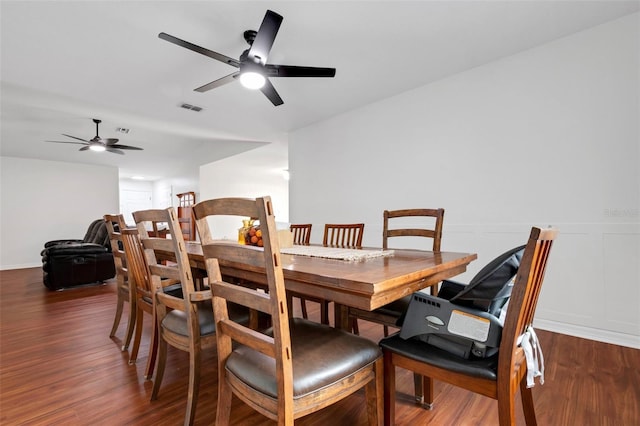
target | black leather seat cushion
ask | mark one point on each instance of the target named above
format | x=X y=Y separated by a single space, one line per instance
x=321 y=354
x=423 y=352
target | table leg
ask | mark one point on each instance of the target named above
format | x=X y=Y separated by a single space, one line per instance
x=341 y=313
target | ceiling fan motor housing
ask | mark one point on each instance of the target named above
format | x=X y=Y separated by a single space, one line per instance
x=250 y=36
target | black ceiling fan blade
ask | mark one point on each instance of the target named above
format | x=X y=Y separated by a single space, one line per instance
x=108 y=141
x=84 y=148
x=206 y=52
x=295 y=71
x=217 y=83
x=73 y=137
x=271 y=93
x=75 y=143
x=117 y=146
x=266 y=36
x=114 y=151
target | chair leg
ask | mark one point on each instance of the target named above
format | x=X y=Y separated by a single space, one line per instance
x=136 y=341
x=418 y=388
x=389 y=389
x=194 y=385
x=116 y=320
x=506 y=408
x=303 y=307
x=374 y=392
x=153 y=349
x=132 y=320
x=433 y=290
x=225 y=395
x=162 y=359
x=324 y=312
x=423 y=390
x=354 y=325
x=527 y=403
x=427 y=392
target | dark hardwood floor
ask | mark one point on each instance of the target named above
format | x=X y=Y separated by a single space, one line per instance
x=58 y=366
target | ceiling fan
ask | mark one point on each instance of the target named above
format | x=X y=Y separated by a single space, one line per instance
x=99 y=144
x=254 y=72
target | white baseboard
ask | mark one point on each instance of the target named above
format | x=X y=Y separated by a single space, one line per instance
x=606 y=336
x=21 y=266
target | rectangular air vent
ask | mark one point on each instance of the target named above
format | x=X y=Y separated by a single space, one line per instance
x=122 y=130
x=191 y=107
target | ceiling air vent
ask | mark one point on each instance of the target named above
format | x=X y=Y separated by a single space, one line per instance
x=191 y=107
x=122 y=130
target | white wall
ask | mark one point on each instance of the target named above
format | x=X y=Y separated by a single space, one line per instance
x=159 y=194
x=48 y=200
x=245 y=175
x=165 y=192
x=545 y=137
x=134 y=195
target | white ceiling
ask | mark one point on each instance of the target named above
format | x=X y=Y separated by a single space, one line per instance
x=66 y=62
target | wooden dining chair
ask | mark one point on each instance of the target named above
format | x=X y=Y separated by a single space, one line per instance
x=301 y=233
x=343 y=235
x=144 y=298
x=302 y=236
x=184 y=323
x=420 y=223
x=498 y=376
x=299 y=366
x=335 y=235
x=115 y=224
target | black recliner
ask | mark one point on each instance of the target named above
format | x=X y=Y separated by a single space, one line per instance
x=69 y=263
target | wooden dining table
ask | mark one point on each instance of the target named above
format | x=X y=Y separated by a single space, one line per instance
x=365 y=284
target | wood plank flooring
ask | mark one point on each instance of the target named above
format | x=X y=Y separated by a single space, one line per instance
x=59 y=367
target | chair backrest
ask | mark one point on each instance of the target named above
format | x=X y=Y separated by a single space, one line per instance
x=273 y=302
x=434 y=232
x=524 y=296
x=158 y=229
x=137 y=264
x=114 y=224
x=301 y=233
x=179 y=270
x=343 y=235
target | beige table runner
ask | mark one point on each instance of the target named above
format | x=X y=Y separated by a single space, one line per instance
x=335 y=252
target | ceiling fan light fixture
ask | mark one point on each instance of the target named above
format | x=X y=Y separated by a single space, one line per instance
x=99 y=144
x=252 y=80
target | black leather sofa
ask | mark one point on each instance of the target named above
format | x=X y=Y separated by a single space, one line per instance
x=69 y=263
